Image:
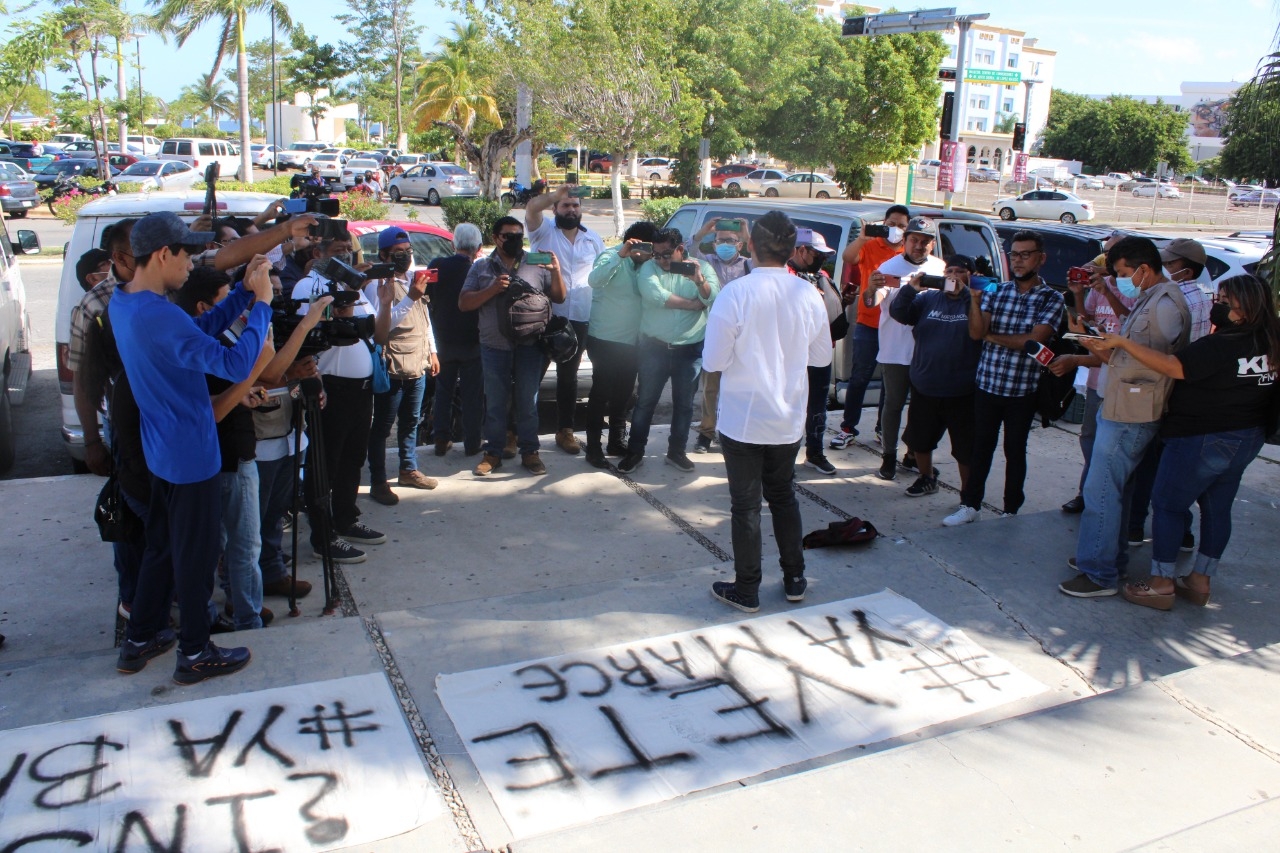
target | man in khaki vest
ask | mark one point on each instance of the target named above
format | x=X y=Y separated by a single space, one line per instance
x=403 y=328
x=1133 y=403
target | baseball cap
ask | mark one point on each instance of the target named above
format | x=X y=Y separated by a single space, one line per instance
x=813 y=239
x=921 y=225
x=157 y=230
x=388 y=237
x=963 y=261
x=1184 y=249
x=89 y=263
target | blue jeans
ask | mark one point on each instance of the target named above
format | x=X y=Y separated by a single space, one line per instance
x=768 y=471
x=866 y=348
x=275 y=497
x=470 y=375
x=659 y=361
x=511 y=380
x=816 y=411
x=1102 y=548
x=1203 y=468
x=403 y=406
x=1088 y=429
x=241 y=544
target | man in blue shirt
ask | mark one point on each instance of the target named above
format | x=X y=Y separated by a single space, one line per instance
x=166 y=355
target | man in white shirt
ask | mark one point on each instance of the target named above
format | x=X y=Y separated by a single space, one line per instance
x=576 y=247
x=763 y=334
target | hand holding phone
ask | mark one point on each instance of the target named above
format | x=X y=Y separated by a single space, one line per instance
x=685 y=268
x=871 y=231
x=537 y=259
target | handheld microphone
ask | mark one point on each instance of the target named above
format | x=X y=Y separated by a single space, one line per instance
x=1039 y=352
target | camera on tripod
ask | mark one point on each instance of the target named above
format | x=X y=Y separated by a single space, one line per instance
x=334 y=331
x=309 y=198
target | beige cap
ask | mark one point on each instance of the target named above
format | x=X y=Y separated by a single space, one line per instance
x=1183 y=249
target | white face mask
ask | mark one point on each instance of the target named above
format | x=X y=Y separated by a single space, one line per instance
x=950 y=285
x=896 y=235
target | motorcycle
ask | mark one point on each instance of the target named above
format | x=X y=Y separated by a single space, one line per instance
x=518 y=195
x=65 y=185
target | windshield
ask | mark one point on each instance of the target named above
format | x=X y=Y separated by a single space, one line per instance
x=454 y=170
x=143 y=169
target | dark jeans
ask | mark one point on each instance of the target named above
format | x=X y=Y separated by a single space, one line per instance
x=659 y=361
x=769 y=470
x=866 y=348
x=990 y=412
x=511 y=375
x=402 y=405
x=613 y=380
x=567 y=379
x=275 y=498
x=816 y=412
x=184 y=530
x=129 y=553
x=345 y=420
x=468 y=373
x=1144 y=481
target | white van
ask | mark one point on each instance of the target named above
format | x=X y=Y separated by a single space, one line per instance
x=149 y=144
x=198 y=153
x=91 y=221
x=15 y=335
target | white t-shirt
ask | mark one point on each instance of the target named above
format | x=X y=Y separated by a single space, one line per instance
x=577 y=259
x=762 y=335
x=897 y=343
x=350 y=362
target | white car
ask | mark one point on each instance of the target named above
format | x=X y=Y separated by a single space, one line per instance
x=160 y=175
x=655 y=168
x=802 y=185
x=984 y=174
x=752 y=181
x=330 y=166
x=1090 y=182
x=358 y=166
x=1150 y=190
x=1225 y=256
x=1115 y=179
x=434 y=181
x=263 y=156
x=928 y=168
x=1065 y=207
x=149 y=144
x=299 y=154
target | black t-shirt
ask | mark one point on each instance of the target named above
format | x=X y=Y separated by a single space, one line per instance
x=450 y=326
x=1228 y=386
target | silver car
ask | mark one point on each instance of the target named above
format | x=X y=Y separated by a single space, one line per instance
x=434 y=181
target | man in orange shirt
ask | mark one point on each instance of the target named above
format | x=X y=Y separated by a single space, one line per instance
x=863 y=257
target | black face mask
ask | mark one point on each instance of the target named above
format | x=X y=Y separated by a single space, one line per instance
x=568 y=223
x=401 y=261
x=512 y=245
x=1220 y=315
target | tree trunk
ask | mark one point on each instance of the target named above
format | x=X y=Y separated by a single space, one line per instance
x=104 y=169
x=242 y=83
x=402 y=139
x=122 y=92
x=615 y=184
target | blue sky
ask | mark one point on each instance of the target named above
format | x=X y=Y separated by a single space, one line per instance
x=1132 y=47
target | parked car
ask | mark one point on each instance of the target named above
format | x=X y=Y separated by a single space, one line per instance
x=720 y=174
x=751 y=182
x=263 y=156
x=656 y=168
x=565 y=158
x=1089 y=182
x=602 y=164
x=358 y=166
x=25 y=155
x=1234 y=189
x=377 y=156
x=160 y=175
x=802 y=185
x=1067 y=208
x=115 y=148
x=1150 y=190
x=984 y=174
x=1017 y=187
x=148 y=144
x=121 y=161
x=389 y=152
x=67 y=138
x=330 y=165
x=15 y=335
x=75 y=168
x=1256 y=198
x=408 y=161
x=1225 y=256
x=299 y=154
x=17 y=191
x=928 y=168
x=1114 y=179
x=434 y=181
x=198 y=153
x=1065 y=246
x=429 y=241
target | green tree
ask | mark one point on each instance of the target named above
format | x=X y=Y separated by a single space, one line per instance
x=31 y=46
x=1252 y=146
x=313 y=68
x=208 y=97
x=1118 y=134
x=1254 y=115
x=387 y=24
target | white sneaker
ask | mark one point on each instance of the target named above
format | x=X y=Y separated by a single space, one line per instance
x=963 y=515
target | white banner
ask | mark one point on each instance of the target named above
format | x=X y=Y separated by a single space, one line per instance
x=563 y=740
x=314 y=767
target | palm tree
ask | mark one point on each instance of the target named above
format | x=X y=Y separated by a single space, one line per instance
x=448 y=91
x=184 y=17
x=208 y=95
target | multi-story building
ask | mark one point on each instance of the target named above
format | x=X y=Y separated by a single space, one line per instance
x=1205 y=106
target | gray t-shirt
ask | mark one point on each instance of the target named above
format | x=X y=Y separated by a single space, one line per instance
x=481 y=276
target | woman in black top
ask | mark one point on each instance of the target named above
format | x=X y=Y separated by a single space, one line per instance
x=1218 y=415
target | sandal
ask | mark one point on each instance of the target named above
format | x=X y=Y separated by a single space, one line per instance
x=1180 y=589
x=1144 y=596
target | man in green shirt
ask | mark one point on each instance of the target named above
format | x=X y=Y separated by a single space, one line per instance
x=611 y=341
x=675 y=295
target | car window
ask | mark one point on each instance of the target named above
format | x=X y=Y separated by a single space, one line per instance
x=454 y=170
x=1062 y=251
x=428 y=247
x=972 y=239
x=429 y=172
x=795 y=179
x=830 y=232
x=1056 y=197
x=206 y=149
x=757 y=175
x=682 y=220
x=414 y=172
x=1215 y=266
x=179 y=167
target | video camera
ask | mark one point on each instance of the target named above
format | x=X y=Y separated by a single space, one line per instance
x=309 y=198
x=335 y=331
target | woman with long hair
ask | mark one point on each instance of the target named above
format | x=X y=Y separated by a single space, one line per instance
x=1221 y=409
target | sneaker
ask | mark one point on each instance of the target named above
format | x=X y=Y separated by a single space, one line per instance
x=879 y=437
x=1188 y=543
x=678 y=459
x=963 y=515
x=363 y=533
x=820 y=463
x=909 y=461
x=210 y=663
x=1081 y=586
x=442 y=446
x=341 y=551
x=728 y=593
x=1071 y=562
x=512 y=447
x=615 y=447
x=844 y=438
x=795 y=587
x=123 y=610
x=567 y=441
x=264 y=614
x=888 y=469
x=283 y=587
x=533 y=463
x=488 y=465
x=595 y=457
x=134 y=656
x=1136 y=536
x=702 y=445
x=416 y=480
x=923 y=486
x=1075 y=506
x=286 y=523
x=382 y=493
x=222 y=625
x=630 y=462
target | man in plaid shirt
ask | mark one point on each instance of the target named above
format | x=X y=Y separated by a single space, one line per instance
x=1022 y=310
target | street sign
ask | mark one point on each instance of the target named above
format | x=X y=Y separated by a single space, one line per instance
x=1020 y=166
x=979 y=75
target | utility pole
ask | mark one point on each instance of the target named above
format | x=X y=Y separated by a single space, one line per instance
x=1026 y=111
x=524 y=151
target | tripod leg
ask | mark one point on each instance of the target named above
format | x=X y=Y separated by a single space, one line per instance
x=322 y=519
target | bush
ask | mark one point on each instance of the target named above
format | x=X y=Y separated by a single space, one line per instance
x=605 y=193
x=359 y=207
x=480 y=212
x=659 y=210
x=34 y=133
x=277 y=186
x=546 y=165
x=166 y=131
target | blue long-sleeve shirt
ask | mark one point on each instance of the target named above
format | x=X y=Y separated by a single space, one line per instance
x=166 y=355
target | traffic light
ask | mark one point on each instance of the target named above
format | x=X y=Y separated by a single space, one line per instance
x=947 y=74
x=854 y=26
x=948 y=108
x=1019 y=136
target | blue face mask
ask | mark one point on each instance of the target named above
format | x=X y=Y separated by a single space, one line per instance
x=726 y=251
x=1127 y=288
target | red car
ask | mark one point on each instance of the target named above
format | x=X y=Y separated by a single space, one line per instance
x=733 y=170
x=429 y=242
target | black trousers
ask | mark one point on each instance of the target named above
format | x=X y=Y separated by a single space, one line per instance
x=345 y=422
x=990 y=413
x=613 y=381
x=567 y=380
x=768 y=471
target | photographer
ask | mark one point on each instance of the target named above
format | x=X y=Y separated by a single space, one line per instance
x=348 y=384
x=404 y=330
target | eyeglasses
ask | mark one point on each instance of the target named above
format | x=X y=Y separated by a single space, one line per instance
x=727 y=241
x=1023 y=256
x=504 y=235
x=664 y=256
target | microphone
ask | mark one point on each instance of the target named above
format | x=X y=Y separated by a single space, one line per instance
x=1039 y=352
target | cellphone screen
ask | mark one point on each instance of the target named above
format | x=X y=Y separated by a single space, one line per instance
x=537 y=258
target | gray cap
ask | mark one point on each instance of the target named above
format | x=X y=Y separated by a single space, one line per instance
x=814 y=240
x=922 y=225
x=157 y=230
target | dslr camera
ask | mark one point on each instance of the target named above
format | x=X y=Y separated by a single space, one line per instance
x=334 y=331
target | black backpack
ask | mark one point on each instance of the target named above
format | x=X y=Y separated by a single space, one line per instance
x=523 y=311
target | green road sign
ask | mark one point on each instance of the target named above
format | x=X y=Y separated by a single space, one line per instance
x=1006 y=78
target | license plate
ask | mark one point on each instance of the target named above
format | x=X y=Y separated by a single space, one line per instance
x=28 y=204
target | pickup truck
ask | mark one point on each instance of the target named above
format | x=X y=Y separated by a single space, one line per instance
x=24 y=154
x=15 y=335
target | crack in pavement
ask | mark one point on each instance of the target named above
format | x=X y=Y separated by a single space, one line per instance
x=1209 y=717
